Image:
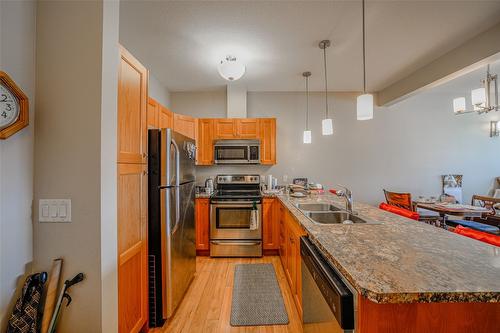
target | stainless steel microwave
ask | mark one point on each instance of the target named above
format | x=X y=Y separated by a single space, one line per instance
x=237 y=152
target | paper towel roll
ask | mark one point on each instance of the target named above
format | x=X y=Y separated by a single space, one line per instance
x=269 y=182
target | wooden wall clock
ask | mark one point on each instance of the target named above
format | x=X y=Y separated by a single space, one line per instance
x=13 y=107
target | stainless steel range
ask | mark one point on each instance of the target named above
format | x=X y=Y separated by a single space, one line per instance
x=236 y=217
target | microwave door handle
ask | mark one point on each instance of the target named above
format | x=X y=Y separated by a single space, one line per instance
x=177 y=183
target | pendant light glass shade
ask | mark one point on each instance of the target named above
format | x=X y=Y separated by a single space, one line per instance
x=231 y=69
x=307 y=136
x=327 y=127
x=459 y=105
x=365 y=107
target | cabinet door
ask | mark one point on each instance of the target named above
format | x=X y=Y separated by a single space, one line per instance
x=226 y=128
x=165 y=117
x=248 y=128
x=152 y=114
x=204 y=142
x=290 y=260
x=270 y=224
x=298 y=276
x=283 y=236
x=202 y=218
x=185 y=125
x=132 y=109
x=267 y=129
x=132 y=247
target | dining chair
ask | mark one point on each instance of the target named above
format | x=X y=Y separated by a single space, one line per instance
x=401 y=200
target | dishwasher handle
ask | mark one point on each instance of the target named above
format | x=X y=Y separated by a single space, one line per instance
x=336 y=293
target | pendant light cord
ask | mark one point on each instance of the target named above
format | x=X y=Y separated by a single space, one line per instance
x=364 y=50
x=307 y=103
x=326 y=84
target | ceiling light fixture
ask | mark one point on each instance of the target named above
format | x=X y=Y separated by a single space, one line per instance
x=231 y=69
x=480 y=97
x=307 y=138
x=364 y=107
x=327 y=123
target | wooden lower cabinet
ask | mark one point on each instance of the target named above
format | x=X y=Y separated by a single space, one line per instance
x=132 y=247
x=270 y=224
x=202 y=225
x=427 y=317
x=289 y=248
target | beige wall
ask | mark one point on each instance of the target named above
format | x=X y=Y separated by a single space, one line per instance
x=17 y=58
x=76 y=99
x=405 y=148
x=157 y=90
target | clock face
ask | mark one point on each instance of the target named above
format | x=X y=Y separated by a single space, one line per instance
x=9 y=107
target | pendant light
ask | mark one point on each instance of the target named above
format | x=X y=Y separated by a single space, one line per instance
x=307 y=138
x=364 y=102
x=327 y=123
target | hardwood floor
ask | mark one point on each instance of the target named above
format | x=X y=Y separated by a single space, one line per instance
x=207 y=304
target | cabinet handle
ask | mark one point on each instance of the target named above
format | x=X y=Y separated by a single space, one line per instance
x=144 y=155
x=145 y=173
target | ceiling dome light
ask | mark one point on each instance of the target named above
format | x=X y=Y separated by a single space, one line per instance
x=231 y=69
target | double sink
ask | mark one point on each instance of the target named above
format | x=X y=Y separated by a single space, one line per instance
x=325 y=213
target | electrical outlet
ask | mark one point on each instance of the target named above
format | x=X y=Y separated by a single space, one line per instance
x=285 y=179
x=54 y=210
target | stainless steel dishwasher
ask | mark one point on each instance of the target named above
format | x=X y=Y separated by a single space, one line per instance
x=328 y=303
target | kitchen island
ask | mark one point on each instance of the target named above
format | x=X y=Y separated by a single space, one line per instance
x=409 y=276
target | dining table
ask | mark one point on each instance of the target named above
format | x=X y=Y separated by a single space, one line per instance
x=445 y=209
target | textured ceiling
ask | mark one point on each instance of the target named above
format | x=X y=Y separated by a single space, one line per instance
x=181 y=42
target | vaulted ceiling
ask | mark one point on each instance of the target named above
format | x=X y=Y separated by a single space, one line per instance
x=181 y=42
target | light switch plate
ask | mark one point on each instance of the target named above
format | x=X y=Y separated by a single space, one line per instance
x=54 y=210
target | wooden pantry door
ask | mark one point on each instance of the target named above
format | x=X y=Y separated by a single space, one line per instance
x=132 y=247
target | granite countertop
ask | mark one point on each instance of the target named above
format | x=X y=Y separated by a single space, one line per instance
x=202 y=195
x=403 y=261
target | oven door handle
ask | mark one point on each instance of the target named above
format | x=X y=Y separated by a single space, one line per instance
x=235 y=204
x=235 y=243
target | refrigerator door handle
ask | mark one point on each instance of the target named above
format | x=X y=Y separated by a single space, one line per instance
x=177 y=185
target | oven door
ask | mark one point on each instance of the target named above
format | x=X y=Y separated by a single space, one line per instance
x=231 y=220
x=231 y=154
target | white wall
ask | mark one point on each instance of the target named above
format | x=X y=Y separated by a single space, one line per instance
x=75 y=153
x=158 y=91
x=17 y=58
x=405 y=148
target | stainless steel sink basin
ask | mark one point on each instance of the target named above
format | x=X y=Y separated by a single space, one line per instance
x=339 y=217
x=317 y=207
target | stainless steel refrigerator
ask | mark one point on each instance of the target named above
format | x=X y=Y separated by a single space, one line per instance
x=171 y=233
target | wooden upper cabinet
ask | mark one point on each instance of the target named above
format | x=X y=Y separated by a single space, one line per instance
x=205 y=142
x=185 y=125
x=225 y=129
x=132 y=109
x=248 y=128
x=165 y=118
x=267 y=129
x=152 y=113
